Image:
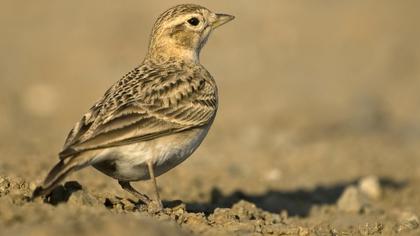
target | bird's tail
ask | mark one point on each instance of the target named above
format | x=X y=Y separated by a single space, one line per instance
x=58 y=173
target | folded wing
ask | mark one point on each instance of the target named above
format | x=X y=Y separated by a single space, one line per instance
x=145 y=105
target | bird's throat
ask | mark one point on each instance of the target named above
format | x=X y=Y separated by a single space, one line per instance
x=169 y=51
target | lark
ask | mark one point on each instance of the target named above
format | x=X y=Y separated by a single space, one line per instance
x=154 y=117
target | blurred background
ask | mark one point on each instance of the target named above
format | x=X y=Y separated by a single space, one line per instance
x=312 y=93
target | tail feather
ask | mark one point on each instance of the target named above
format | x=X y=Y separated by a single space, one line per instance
x=58 y=173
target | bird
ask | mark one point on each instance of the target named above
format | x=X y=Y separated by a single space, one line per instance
x=155 y=116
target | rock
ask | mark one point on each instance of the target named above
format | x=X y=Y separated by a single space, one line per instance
x=196 y=219
x=303 y=231
x=273 y=174
x=32 y=186
x=4 y=186
x=351 y=200
x=180 y=208
x=407 y=222
x=244 y=211
x=221 y=216
x=197 y=222
x=128 y=205
x=370 y=187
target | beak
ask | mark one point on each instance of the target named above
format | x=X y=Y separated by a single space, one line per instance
x=221 y=19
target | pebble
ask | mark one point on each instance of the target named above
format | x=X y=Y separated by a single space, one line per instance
x=127 y=204
x=303 y=231
x=4 y=185
x=273 y=175
x=370 y=187
x=32 y=186
x=351 y=200
x=407 y=222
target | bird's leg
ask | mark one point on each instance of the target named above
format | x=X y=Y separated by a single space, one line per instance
x=153 y=178
x=127 y=187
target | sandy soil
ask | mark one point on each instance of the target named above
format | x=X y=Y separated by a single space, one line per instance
x=317 y=133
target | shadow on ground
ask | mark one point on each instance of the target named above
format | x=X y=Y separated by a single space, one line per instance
x=62 y=193
x=296 y=203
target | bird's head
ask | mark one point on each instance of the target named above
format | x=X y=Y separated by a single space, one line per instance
x=182 y=31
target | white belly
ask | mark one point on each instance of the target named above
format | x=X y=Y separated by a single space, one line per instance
x=129 y=162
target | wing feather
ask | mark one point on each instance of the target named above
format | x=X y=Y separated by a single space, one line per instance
x=144 y=105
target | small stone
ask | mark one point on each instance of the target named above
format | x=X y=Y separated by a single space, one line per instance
x=4 y=185
x=245 y=211
x=271 y=218
x=18 y=199
x=284 y=214
x=407 y=221
x=303 y=231
x=351 y=200
x=32 y=186
x=222 y=216
x=153 y=208
x=162 y=217
x=273 y=175
x=180 y=209
x=196 y=218
x=128 y=205
x=370 y=187
x=197 y=222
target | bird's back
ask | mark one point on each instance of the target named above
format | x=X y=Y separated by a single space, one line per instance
x=153 y=100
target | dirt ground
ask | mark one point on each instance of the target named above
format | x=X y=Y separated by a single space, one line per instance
x=317 y=132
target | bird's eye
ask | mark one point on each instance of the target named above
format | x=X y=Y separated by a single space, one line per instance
x=194 y=21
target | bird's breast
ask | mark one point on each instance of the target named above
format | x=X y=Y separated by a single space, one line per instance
x=130 y=162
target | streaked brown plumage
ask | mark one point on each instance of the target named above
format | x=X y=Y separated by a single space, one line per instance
x=149 y=103
x=155 y=116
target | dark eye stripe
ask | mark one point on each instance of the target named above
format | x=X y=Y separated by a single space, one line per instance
x=194 y=21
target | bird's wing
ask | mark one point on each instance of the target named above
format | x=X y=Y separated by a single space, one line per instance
x=145 y=105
